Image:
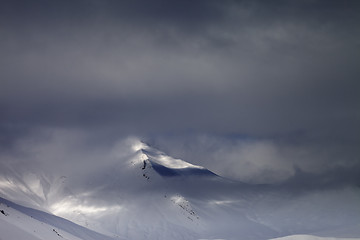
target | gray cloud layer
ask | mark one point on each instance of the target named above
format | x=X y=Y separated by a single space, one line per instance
x=280 y=71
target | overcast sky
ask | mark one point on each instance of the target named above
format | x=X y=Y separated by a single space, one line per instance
x=254 y=90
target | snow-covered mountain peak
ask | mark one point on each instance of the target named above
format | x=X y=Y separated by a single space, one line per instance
x=147 y=152
x=148 y=157
x=144 y=152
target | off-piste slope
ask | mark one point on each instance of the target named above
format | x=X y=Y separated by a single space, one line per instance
x=19 y=222
x=142 y=193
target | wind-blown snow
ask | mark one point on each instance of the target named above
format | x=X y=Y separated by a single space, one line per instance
x=165 y=160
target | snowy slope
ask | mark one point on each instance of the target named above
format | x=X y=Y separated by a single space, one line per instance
x=18 y=222
x=142 y=193
x=310 y=237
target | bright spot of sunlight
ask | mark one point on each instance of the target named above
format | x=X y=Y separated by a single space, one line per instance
x=70 y=205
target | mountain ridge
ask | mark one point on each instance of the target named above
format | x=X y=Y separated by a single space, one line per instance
x=143 y=193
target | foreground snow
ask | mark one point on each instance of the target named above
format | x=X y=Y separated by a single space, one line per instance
x=18 y=222
x=310 y=237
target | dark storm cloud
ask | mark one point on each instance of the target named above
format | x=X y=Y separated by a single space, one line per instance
x=279 y=71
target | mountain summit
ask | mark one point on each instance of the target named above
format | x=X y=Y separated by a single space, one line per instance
x=168 y=166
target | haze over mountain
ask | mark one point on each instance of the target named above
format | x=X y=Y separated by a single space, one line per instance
x=146 y=194
x=247 y=111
